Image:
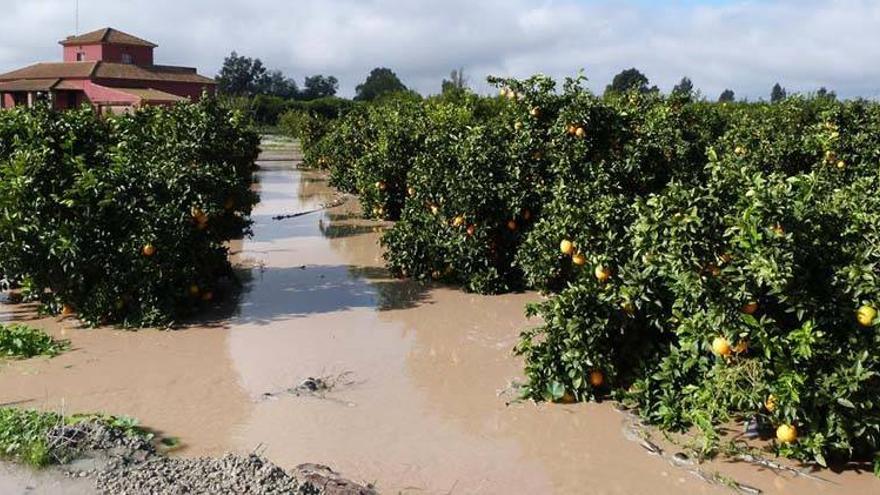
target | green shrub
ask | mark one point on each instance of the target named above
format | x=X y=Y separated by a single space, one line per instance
x=22 y=341
x=123 y=220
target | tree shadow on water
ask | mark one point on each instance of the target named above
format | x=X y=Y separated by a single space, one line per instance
x=270 y=294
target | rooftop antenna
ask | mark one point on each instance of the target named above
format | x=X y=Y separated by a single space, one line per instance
x=77 y=18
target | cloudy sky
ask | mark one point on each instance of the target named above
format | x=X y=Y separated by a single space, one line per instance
x=743 y=45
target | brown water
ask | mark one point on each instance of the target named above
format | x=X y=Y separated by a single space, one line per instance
x=424 y=405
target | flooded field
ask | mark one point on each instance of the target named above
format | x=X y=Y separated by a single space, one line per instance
x=419 y=375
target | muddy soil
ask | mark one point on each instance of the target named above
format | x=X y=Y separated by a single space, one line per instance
x=424 y=406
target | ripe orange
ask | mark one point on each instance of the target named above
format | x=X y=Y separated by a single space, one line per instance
x=866 y=316
x=67 y=310
x=571 y=129
x=434 y=209
x=579 y=259
x=741 y=347
x=526 y=214
x=750 y=308
x=771 y=403
x=411 y=191
x=535 y=112
x=471 y=230
x=778 y=230
x=566 y=247
x=830 y=156
x=517 y=126
x=721 y=346
x=148 y=250
x=580 y=132
x=786 y=433
x=739 y=150
x=841 y=164
x=629 y=308
x=602 y=274
x=597 y=378
x=458 y=221
x=381 y=185
x=512 y=226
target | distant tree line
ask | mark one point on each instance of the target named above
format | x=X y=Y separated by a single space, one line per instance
x=269 y=93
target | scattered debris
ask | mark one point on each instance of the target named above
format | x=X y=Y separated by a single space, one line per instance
x=328 y=482
x=339 y=201
x=316 y=387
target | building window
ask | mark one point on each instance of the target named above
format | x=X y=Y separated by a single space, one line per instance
x=126 y=58
x=80 y=56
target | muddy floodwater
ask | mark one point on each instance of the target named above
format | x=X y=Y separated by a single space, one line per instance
x=422 y=375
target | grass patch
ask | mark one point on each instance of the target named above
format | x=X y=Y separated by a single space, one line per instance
x=22 y=342
x=24 y=433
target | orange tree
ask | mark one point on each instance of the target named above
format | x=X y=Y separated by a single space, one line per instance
x=475 y=190
x=749 y=293
x=123 y=220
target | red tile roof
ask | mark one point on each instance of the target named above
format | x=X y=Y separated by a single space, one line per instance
x=107 y=70
x=29 y=85
x=107 y=35
x=52 y=70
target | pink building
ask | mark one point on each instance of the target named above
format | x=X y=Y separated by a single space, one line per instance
x=108 y=69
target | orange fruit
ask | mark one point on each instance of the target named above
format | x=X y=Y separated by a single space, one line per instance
x=741 y=347
x=517 y=126
x=866 y=316
x=535 y=112
x=786 y=433
x=721 y=347
x=567 y=398
x=771 y=403
x=629 y=308
x=434 y=209
x=597 y=378
x=602 y=274
x=778 y=230
x=381 y=186
x=148 y=250
x=67 y=310
x=841 y=164
x=750 y=308
x=580 y=132
x=566 y=247
x=194 y=290
x=579 y=259
x=512 y=226
x=411 y=191
x=436 y=274
x=458 y=221
x=526 y=214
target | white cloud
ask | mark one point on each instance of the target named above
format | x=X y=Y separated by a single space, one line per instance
x=744 y=45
